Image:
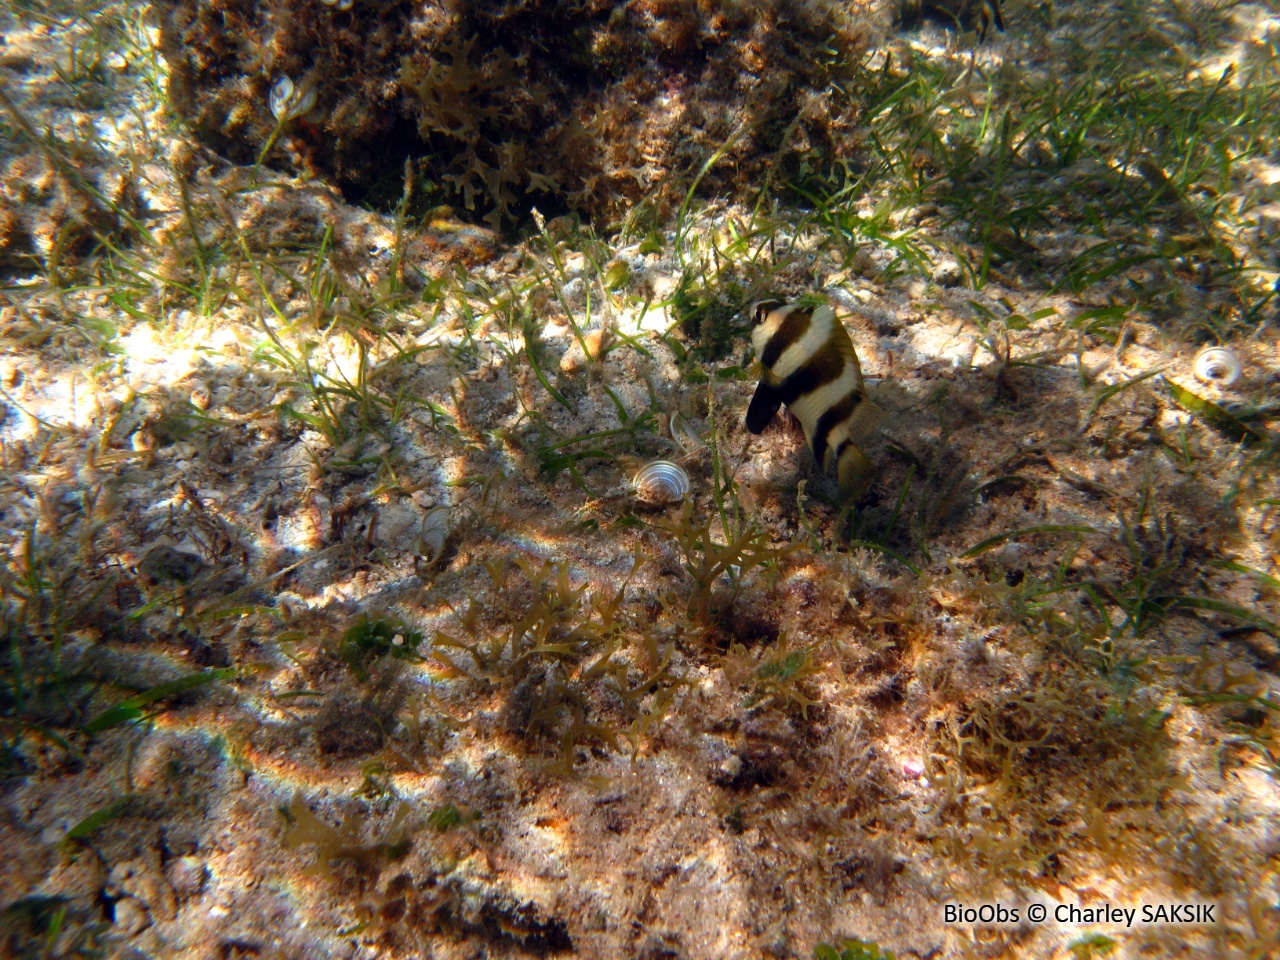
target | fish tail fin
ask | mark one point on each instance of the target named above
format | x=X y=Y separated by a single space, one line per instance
x=853 y=471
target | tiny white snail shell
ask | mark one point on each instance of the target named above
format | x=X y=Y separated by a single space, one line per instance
x=433 y=534
x=660 y=482
x=287 y=103
x=1218 y=365
x=345 y=4
x=281 y=94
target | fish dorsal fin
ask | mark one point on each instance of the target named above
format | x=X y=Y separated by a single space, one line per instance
x=844 y=344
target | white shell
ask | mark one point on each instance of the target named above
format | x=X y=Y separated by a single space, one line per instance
x=660 y=482
x=287 y=103
x=1218 y=365
x=684 y=435
x=345 y=4
x=281 y=94
x=433 y=534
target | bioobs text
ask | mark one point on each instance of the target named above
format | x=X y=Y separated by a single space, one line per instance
x=987 y=913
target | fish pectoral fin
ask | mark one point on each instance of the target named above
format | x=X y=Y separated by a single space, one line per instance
x=853 y=472
x=764 y=407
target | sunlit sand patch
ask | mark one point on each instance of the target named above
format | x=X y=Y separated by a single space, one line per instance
x=955 y=346
x=64 y=399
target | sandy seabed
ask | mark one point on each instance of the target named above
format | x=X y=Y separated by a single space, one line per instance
x=591 y=725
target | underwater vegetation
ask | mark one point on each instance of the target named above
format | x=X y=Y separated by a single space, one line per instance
x=370 y=639
x=592 y=106
x=851 y=950
x=379 y=582
x=572 y=666
x=60 y=200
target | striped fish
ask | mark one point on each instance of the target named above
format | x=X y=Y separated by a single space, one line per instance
x=979 y=15
x=807 y=362
x=989 y=13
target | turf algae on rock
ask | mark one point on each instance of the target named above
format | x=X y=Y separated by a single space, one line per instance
x=586 y=106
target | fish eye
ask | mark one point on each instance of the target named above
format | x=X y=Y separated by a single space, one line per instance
x=762 y=310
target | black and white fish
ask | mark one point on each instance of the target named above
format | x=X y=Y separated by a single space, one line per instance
x=979 y=15
x=987 y=14
x=807 y=361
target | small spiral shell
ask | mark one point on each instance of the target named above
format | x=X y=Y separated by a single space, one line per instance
x=287 y=102
x=1218 y=365
x=281 y=94
x=660 y=482
x=433 y=534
